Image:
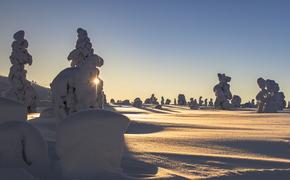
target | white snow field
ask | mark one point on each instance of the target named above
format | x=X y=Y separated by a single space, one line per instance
x=179 y=143
x=211 y=144
x=174 y=143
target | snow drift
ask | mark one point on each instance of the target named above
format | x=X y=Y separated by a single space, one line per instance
x=15 y=174
x=90 y=143
x=47 y=113
x=22 y=146
x=11 y=110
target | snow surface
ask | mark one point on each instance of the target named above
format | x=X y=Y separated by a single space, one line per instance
x=16 y=174
x=22 y=146
x=41 y=91
x=209 y=143
x=178 y=143
x=91 y=142
x=11 y=110
x=47 y=113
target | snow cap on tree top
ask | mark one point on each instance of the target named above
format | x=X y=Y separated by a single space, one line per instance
x=19 y=35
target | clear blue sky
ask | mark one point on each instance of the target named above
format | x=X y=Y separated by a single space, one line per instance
x=164 y=47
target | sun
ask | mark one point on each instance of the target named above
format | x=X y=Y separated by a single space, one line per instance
x=96 y=81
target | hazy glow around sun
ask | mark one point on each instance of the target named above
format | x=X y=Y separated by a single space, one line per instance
x=96 y=81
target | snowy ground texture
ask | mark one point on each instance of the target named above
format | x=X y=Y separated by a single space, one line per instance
x=179 y=143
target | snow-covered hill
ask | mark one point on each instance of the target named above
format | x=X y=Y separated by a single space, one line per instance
x=42 y=92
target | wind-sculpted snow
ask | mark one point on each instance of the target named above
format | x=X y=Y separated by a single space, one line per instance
x=171 y=143
x=90 y=143
x=211 y=144
x=22 y=146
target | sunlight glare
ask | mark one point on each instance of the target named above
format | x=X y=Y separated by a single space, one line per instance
x=96 y=81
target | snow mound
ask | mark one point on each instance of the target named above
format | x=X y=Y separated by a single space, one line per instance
x=90 y=143
x=11 y=110
x=47 y=113
x=15 y=174
x=22 y=146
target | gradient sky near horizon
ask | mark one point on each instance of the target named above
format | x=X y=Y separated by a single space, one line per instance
x=164 y=47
